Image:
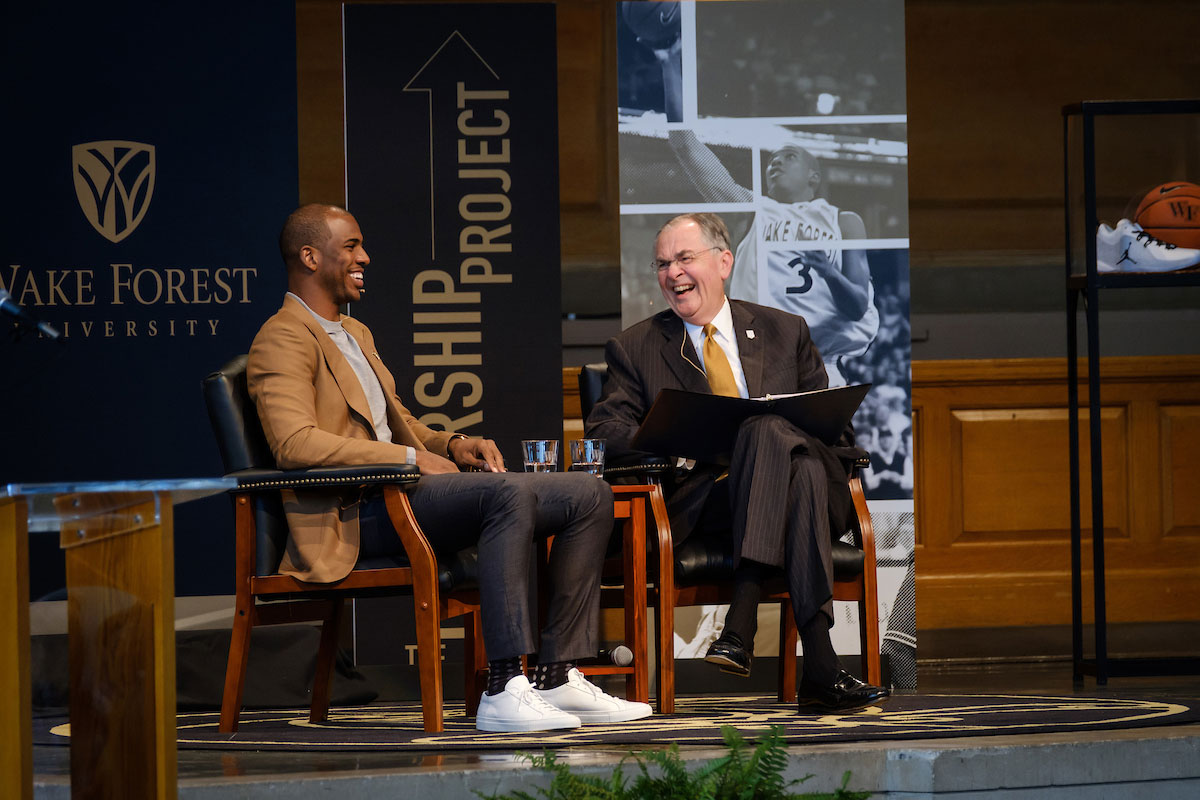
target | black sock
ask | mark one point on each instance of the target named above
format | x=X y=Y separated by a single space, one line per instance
x=742 y=617
x=821 y=665
x=500 y=672
x=552 y=674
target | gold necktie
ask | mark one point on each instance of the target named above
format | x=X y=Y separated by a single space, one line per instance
x=716 y=365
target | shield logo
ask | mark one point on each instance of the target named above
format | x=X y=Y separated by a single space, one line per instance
x=113 y=183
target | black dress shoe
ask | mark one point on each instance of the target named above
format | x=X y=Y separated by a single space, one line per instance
x=846 y=694
x=730 y=654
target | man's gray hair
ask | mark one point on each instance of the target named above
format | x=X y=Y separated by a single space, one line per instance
x=711 y=226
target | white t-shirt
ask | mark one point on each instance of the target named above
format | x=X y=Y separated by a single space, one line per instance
x=371 y=387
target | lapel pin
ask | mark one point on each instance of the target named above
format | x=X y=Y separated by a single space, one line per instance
x=749 y=334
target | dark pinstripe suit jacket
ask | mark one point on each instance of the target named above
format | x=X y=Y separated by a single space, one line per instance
x=777 y=355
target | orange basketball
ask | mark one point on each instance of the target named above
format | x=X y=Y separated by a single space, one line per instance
x=1171 y=212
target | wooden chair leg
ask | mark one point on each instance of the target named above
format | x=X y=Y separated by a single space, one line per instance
x=869 y=615
x=788 y=634
x=664 y=608
x=664 y=623
x=869 y=602
x=664 y=655
x=426 y=605
x=235 y=668
x=429 y=663
x=637 y=683
x=326 y=655
x=474 y=662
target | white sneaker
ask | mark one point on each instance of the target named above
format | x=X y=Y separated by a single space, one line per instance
x=1128 y=248
x=584 y=699
x=520 y=708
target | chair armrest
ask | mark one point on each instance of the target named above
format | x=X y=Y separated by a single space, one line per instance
x=253 y=480
x=650 y=469
x=852 y=458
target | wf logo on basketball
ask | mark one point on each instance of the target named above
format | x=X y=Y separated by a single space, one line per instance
x=1171 y=212
x=1183 y=211
x=114 y=181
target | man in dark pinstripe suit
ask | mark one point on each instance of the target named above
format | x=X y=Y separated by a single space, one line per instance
x=783 y=489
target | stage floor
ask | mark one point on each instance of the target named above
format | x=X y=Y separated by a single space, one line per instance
x=1158 y=762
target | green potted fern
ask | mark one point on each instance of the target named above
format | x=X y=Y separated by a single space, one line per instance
x=745 y=773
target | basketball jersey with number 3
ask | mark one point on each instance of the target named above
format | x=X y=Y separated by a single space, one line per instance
x=794 y=286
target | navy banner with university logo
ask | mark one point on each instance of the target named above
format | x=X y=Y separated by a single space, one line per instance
x=452 y=173
x=152 y=161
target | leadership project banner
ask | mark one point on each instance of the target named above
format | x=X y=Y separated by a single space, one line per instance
x=452 y=172
x=787 y=118
x=151 y=163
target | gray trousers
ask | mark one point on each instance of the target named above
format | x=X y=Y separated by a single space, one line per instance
x=779 y=498
x=502 y=514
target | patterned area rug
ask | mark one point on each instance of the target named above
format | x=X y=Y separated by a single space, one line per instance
x=698 y=721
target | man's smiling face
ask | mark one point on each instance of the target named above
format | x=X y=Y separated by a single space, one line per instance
x=343 y=260
x=695 y=271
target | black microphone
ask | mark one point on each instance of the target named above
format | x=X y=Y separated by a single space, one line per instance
x=11 y=307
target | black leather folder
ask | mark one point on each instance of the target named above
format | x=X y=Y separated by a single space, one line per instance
x=704 y=426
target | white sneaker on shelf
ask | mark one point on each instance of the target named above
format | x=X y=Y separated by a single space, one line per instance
x=520 y=708
x=584 y=699
x=1128 y=248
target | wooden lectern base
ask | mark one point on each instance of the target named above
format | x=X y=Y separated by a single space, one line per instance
x=118 y=539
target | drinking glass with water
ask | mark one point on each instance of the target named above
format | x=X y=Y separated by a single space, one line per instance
x=587 y=455
x=541 y=455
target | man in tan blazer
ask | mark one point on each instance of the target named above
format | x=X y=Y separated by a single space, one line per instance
x=325 y=398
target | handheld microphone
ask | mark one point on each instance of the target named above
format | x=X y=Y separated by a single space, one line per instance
x=11 y=307
x=620 y=655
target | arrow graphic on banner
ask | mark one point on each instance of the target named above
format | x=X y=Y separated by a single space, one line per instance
x=442 y=76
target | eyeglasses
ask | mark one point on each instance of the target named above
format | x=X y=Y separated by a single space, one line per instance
x=684 y=259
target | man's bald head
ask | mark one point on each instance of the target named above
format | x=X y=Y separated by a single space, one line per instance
x=307 y=225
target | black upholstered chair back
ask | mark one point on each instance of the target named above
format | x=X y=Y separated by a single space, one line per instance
x=243 y=447
x=591 y=384
x=235 y=419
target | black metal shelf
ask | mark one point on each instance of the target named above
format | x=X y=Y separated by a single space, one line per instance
x=1088 y=285
x=1110 y=108
x=1136 y=280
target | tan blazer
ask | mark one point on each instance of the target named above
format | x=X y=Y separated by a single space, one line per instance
x=314 y=413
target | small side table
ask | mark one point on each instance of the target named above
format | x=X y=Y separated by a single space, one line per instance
x=118 y=538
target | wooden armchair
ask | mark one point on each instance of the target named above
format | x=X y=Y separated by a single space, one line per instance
x=700 y=572
x=265 y=597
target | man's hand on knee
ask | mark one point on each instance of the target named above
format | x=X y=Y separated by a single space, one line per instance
x=477 y=454
x=432 y=464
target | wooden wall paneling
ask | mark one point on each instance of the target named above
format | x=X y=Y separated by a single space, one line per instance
x=992 y=501
x=918 y=457
x=933 y=446
x=1180 y=443
x=320 y=106
x=1144 y=491
x=587 y=119
x=986 y=82
x=1013 y=465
